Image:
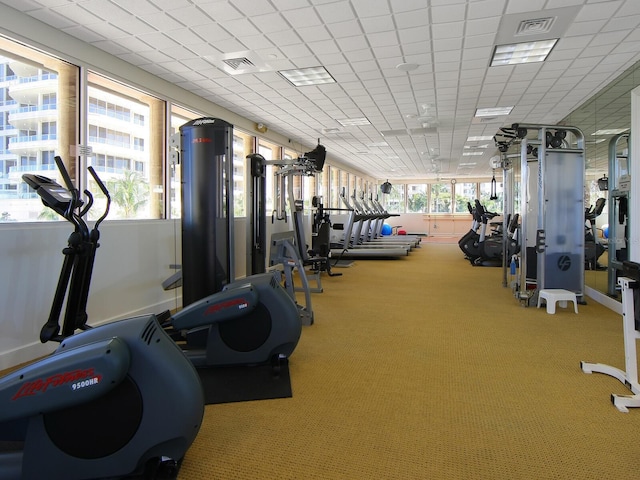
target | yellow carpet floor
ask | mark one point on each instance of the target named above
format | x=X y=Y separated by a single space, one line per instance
x=425 y=367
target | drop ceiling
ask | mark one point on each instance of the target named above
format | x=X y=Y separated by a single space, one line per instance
x=417 y=70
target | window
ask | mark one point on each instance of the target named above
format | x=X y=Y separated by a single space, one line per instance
x=179 y=116
x=440 y=198
x=271 y=151
x=304 y=186
x=49 y=130
x=344 y=187
x=242 y=146
x=465 y=193
x=138 y=143
x=127 y=154
x=395 y=200
x=49 y=101
x=489 y=204
x=48 y=163
x=417 y=200
x=36 y=90
x=334 y=188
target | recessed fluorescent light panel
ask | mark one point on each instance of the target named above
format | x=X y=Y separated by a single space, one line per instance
x=470 y=154
x=479 y=139
x=354 y=122
x=526 y=52
x=493 y=112
x=611 y=131
x=307 y=76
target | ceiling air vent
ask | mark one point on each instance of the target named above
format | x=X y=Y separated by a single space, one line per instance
x=535 y=26
x=241 y=63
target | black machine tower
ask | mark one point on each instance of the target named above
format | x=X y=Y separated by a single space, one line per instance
x=207 y=207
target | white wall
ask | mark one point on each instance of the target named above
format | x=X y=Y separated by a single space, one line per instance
x=410 y=223
x=634 y=170
x=131 y=264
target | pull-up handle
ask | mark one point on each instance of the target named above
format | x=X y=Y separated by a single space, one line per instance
x=494 y=194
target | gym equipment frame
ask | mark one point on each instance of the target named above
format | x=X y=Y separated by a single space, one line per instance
x=630 y=287
x=552 y=214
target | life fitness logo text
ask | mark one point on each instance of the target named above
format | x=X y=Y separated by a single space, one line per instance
x=204 y=121
x=77 y=379
x=564 y=263
x=228 y=304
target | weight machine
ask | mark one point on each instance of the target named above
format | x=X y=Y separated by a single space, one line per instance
x=283 y=252
x=552 y=172
x=290 y=248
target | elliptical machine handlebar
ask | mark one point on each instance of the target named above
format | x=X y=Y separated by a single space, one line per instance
x=79 y=255
x=105 y=192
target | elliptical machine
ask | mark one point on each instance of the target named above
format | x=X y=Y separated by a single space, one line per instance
x=251 y=322
x=92 y=409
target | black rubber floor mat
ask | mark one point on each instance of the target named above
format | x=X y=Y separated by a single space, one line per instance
x=242 y=384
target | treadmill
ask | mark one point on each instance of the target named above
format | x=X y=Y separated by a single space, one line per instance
x=350 y=248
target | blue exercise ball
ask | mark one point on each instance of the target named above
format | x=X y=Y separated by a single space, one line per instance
x=605 y=230
x=386 y=229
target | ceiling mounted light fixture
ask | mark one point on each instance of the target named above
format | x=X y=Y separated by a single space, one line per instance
x=407 y=67
x=301 y=77
x=525 y=52
x=493 y=111
x=610 y=131
x=354 y=122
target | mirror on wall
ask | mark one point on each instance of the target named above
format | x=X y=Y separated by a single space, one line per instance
x=604 y=119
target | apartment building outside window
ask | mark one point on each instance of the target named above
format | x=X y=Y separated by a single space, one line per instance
x=37 y=96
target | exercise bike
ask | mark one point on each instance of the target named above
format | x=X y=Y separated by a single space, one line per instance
x=479 y=247
x=250 y=322
x=97 y=406
x=593 y=249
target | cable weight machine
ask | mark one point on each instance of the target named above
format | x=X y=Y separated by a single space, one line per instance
x=289 y=249
x=552 y=178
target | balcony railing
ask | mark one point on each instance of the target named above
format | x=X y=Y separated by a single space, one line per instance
x=32 y=168
x=36 y=108
x=38 y=78
x=33 y=138
x=110 y=113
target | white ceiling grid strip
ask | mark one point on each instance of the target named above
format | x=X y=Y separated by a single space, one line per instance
x=361 y=42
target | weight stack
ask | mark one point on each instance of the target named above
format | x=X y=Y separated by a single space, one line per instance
x=206 y=147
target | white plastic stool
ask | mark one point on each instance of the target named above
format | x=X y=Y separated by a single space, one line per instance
x=553 y=295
